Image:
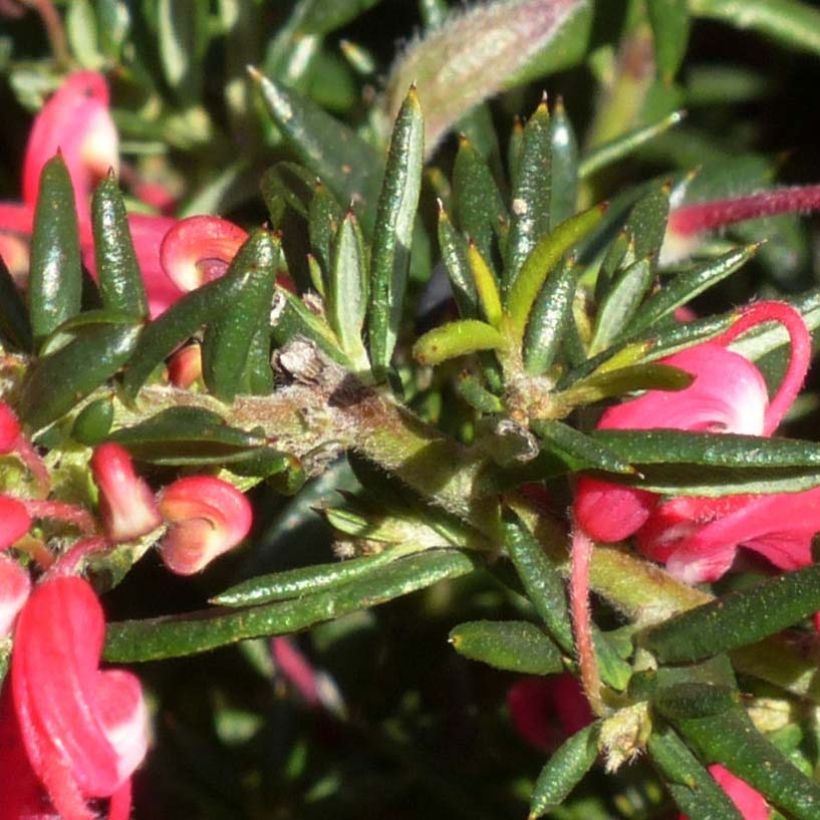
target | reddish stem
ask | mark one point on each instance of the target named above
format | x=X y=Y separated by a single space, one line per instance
x=799 y=359
x=61 y=511
x=582 y=618
x=689 y=220
x=69 y=563
x=28 y=454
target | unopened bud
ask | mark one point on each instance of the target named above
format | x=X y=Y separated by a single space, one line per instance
x=15 y=521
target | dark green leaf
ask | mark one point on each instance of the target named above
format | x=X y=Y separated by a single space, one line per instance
x=324 y=218
x=563 y=167
x=121 y=285
x=15 y=328
x=515 y=646
x=579 y=450
x=183 y=38
x=55 y=278
x=93 y=423
x=157 y=638
x=287 y=185
x=321 y=17
x=670 y=27
x=737 y=619
x=393 y=233
x=56 y=383
x=647 y=221
x=454 y=255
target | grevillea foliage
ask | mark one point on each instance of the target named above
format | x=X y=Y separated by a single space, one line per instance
x=326 y=346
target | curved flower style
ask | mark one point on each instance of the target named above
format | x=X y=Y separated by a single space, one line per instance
x=207 y=517
x=84 y=731
x=727 y=395
x=127 y=505
x=547 y=710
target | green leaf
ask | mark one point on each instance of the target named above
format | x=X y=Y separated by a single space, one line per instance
x=579 y=450
x=737 y=619
x=670 y=27
x=81 y=29
x=454 y=255
x=730 y=738
x=15 y=328
x=347 y=291
x=621 y=303
x=543 y=259
x=287 y=185
x=794 y=24
x=157 y=638
x=694 y=699
x=324 y=217
x=179 y=323
x=230 y=334
x=647 y=221
x=531 y=195
x=295 y=583
x=479 y=209
x=93 y=422
x=608 y=383
x=55 y=278
x=550 y=318
x=56 y=383
x=121 y=286
x=688 y=284
x=187 y=435
x=182 y=29
x=540 y=578
x=564 y=770
x=456 y=339
x=336 y=154
x=692 y=788
x=515 y=646
x=476 y=395
x=321 y=17
x=616 y=149
x=563 y=167
x=393 y=233
x=714 y=464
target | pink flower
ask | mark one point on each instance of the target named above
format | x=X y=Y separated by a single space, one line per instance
x=127 y=505
x=207 y=517
x=84 y=731
x=547 y=710
x=15 y=586
x=748 y=802
x=15 y=521
x=698 y=537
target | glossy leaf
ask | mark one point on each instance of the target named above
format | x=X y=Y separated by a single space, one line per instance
x=563 y=166
x=456 y=339
x=486 y=286
x=93 y=422
x=670 y=28
x=182 y=38
x=541 y=262
x=121 y=286
x=607 y=383
x=393 y=233
x=333 y=152
x=737 y=619
x=454 y=255
x=324 y=218
x=56 y=383
x=55 y=278
x=15 y=328
x=564 y=770
x=230 y=334
x=530 y=202
x=320 y=17
x=287 y=185
x=647 y=221
x=579 y=450
x=156 y=638
x=476 y=395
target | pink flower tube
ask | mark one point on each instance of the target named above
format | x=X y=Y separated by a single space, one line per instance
x=207 y=516
x=84 y=731
x=750 y=803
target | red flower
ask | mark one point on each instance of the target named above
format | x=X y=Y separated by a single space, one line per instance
x=15 y=586
x=749 y=802
x=84 y=730
x=207 y=517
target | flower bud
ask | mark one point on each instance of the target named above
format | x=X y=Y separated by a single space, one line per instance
x=185 y=366
x=9 y=429
x=15 y=586
x=126 y=503
x=15 y=521
x=207 y=517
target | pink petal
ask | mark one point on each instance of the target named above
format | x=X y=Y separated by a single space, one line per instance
x=15 y=521
x=610 y=512
x=750 y=803
x=15 y=586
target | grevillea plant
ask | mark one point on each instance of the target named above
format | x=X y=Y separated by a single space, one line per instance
x=418 y=363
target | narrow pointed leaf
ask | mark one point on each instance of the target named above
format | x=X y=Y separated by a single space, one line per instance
x=579 y=449
x=157 y=638
x=530 y=205
x=287 y=185
x=737 y=619
x=687 y=285
x=121 y=286
x=541 y=262
x=486 y=286
x=15 y=328
x=348 y=291
x=647 y=221
x=55 y=278
x=321 y=17
x=692 y=787
x=454 y=255
x=324 y=218
x=564 y=771
x=550 y=317
x=616 y=149
x=456 y=339
x=670 y=28
x=479 y=209
x=56 y=383
x=229 y=335
x=515 y=646
x=730 y=738
x=393 y=232
x=621 y=303
x=607 y=383
x=564 y=166
x=93 y=422
x=328 y=148
x=182 y=38
x=476 y=395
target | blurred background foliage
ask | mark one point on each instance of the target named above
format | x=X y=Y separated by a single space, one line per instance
x=406 y=728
